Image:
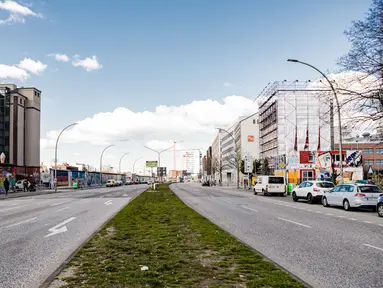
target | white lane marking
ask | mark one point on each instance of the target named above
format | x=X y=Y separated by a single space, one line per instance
x=10 y=209
x=309 y=210
x=86 y=201
x=62 y=209
x=353 y=219
x=380 y=225
x=248 y=208
x=22 y=222
x=59 y=203
x=367 y=222
x=368 y=245
x=223 y=200
x=340 y=216
x=109 y=202
x=319 y=212
x=126 y=195
x=330 y=214
x=296 y=223
x=59 y=228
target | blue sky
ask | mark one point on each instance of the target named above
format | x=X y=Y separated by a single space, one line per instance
x=171 y=52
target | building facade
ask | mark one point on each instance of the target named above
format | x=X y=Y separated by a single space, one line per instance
x=216 y=160
x=20 y=130
x=293 y=117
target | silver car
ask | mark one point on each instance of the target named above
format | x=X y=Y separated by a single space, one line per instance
x=352 y=196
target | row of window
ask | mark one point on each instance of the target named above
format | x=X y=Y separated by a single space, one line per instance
x=378 y=162
x=367 y=150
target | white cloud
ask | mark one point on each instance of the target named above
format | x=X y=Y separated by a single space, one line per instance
x=12 y=72
x=17 y=12
x=60 y=57
x=89 y=64
x=227 y=85
x=193 y=122
x=35 y=67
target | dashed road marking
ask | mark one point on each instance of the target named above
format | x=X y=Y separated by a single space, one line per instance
x=293 y=222
x=223 y=200
x=248 y=208
x=62 y=209
x=368 y=245
x=59 y=203
x=368 y=222
x=22 y=222
x=330 y=214
x=353 y=219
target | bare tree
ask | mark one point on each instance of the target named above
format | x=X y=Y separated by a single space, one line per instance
x=365 y=92
x=217 y=167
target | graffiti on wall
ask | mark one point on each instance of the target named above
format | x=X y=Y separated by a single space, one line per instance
x=7 y=172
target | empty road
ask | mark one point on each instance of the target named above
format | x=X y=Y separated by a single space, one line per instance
x=325 y=247
x=38 y=233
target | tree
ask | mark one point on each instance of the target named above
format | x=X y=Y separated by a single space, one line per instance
x=216 y=166
x=257 y=167
x=366 y=57
x=242 y=166
x=265 y=168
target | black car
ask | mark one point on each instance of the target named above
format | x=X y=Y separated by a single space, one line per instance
x=379 y=206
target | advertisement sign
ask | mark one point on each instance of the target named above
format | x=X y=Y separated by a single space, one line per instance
x=151 y=164
x=248 y=164
x=250 y=138
x=323 y=160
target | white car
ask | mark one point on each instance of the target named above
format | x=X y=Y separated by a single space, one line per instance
x=270 y=185
x=19 y=185
x=111 y=183
x=311 y=191
x=352 y=196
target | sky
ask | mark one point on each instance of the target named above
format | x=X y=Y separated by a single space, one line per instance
x=144 y=72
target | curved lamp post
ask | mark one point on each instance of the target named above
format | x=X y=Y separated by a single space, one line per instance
x=159 y=154
x=134 y=163
x=102 y=153
x=236 y=153
x=119 y=164
x=57 y=142
x=339 y=116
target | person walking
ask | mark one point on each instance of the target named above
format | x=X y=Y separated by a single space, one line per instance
x=6 y=185
x=25 y=185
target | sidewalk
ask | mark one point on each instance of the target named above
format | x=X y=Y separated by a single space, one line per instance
x=43 y=192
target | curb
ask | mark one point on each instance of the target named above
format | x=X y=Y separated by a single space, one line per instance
x=306 y=285
x=61 y=267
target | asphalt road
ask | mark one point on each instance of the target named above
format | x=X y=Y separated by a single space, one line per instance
x=38 y=233
x=325 y=247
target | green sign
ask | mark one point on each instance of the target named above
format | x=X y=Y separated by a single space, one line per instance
x=151 y=164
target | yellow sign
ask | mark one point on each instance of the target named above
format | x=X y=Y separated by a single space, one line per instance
x=151 y=164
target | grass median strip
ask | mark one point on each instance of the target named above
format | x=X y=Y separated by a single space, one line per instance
x=180 y=247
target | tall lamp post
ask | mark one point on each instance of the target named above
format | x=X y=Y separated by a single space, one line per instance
x=102 y=153
x=339 y=116
x=236 y=153
x=159 y=155
x=57 y=142
x=134 y=163
x=119 y=164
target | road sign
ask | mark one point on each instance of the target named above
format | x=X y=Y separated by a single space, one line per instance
x=151 y=164
x=370 y=171
x=161 y=171
x=282 y=165
x=248 y=164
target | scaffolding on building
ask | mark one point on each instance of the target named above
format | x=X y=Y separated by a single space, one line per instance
x=293 y=116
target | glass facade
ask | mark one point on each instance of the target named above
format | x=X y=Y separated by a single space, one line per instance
x=4 y=121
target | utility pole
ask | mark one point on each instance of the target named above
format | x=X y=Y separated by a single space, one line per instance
x=332 y=134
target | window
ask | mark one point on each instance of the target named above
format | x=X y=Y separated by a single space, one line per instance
x=276 y=180
x=307 y=175
x=368 y=150
x=325 y=185
x=309 y=184
x=253 y=121
x=379 y=150
x=336 y=189
x=369 y=189
x=311 y=158
x=337 y=158
x=379 y=162
x=369 y=162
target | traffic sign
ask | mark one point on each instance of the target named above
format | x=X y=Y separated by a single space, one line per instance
x=370 y=170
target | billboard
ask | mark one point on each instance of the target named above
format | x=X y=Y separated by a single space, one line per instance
x=151 y=164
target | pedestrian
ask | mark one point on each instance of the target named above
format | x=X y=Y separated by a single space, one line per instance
x=25 y=185
x=6 y=185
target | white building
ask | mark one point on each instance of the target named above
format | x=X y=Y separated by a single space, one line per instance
x=245 y=132
x=293 y=117
x=190 y=162
x=216 y=157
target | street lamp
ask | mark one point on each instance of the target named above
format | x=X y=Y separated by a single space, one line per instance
x=134 y=163
x=102 y=153
x=159 y=154
x=57 y=142
x=119 y=165
x=339 y=117
x=236 y=152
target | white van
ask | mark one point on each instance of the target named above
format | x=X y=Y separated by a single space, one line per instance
x=270 y=185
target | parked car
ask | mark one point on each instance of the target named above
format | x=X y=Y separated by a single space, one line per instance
x=128 y=182
x=119 y=183
x=379 y=206
x=19 y=185
x=268 y=185
x=312 y=191
x=111 y=183
x=352 y=195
